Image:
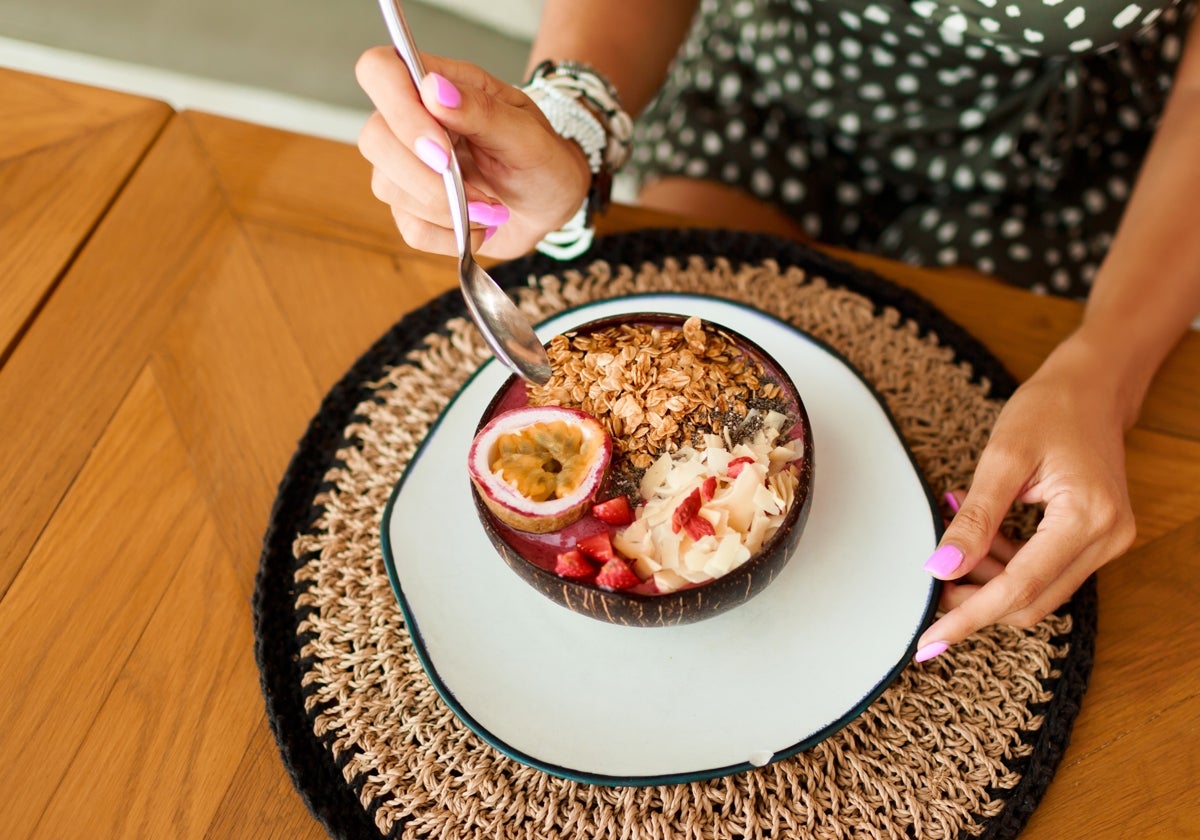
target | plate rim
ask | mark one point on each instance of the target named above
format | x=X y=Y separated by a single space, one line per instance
x=683 y=777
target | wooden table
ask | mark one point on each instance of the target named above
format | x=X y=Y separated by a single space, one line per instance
x=178 y=292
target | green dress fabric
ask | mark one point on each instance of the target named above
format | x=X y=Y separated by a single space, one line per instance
x=1002 y=134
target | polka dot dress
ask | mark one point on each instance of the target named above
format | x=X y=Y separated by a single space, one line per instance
x=1003 y=134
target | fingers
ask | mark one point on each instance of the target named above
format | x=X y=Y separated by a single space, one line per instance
x=970 y=536
x=410 y=151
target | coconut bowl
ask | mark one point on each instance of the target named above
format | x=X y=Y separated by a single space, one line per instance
x=532 y=556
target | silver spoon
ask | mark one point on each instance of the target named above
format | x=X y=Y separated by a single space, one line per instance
x=504 y=327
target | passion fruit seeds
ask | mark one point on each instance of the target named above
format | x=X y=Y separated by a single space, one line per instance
x=539 y=468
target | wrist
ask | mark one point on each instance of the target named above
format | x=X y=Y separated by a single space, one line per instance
x=583 y=109
x=1106 y=366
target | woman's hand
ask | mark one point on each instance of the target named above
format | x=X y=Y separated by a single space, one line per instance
x=522 y=179
x=1058 y=442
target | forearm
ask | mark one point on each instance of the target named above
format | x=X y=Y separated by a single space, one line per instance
x=1147 y=291
x=630 y=42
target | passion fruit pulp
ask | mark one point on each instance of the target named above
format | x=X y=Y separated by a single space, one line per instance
x=538 y=468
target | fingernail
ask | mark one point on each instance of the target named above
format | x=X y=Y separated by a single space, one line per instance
x=433 y=155
x=943 y=561
x=490 y=232
x=490 y=215
x=446 y=93
x=951 y=502
x=931 y=650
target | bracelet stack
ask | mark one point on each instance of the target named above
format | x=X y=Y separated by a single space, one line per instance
x=582 y=106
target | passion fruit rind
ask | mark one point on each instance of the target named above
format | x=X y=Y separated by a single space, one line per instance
x=538 y=468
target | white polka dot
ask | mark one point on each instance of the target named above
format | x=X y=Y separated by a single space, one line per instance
x=956 y=22
x=946 y=231
x=1013 y=11
x=1012 y=227
x=822 y=53
x=1033 y=36
x=850 y=19
x=991 y=4
x=881 y=57
x=1127 y=16
x=1053 y=257
x=993 y=180
x=850 y=48
x=986 y=265
x=761 y=183
x=1019 y=251
x=1082 y=45
x=822 y=79
x=1052 y=2
x=758 y=148
x=820 y=108
x=848 y=193
x=929 y=218
x=989 y=24
x=849 y=122
x=1171 y=47
x=884 y=112
x=1061 y=279
x=1002 y=145
x=1075 y=17
x=731 y=86
x=877 y=14
x=792 y=81
x=735 y=130
x=981 y=237
x=937 y=167
x=764 y=63
x=924 y=8
x=964 y=178
x=947 y=256
x=1094 y=201
x=791 y=190
x=797 y=156
x=696 y=168
x=851 y=71
x=1077 y=251
x=970 y=118
x=907 y=83
x=872 y=92
x=1118 y=188
x=916 y=59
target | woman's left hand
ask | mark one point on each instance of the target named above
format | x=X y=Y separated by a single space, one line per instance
x=1058 y=442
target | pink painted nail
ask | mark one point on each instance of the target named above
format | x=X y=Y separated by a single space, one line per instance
x=433 y=155
x=490 y=232
x=951 y=502
x=931 y=650
x=489 y=215
x=446 y=93
x=944 y=561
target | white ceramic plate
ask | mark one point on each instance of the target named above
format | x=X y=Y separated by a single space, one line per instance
x=617 y=705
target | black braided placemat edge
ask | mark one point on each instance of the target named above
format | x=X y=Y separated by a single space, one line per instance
x=308 y=758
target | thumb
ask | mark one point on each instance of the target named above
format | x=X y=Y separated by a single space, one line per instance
x=997 y=483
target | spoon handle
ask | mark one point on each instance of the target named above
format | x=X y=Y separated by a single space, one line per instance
x=406 y=48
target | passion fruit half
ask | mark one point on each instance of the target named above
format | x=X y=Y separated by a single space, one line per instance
x=538 y=468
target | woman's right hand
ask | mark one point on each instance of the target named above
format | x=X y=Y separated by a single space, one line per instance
x=522 y=179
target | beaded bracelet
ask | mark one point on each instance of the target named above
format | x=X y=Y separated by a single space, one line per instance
x=582 y=106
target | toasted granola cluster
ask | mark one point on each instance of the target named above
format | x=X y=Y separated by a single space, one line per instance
x=655 y=387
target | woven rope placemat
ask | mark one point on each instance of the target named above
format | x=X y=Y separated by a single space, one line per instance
x=962 y=746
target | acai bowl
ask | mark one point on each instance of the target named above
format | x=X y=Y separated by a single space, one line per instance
x=662 y=476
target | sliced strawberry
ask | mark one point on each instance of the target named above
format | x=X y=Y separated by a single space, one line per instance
x=598 y=547
x=688 y=508
x=737 y=465
x=709 y=488
x=615 y=511
x=698 y=527
x=572 y=564
x=616 y=574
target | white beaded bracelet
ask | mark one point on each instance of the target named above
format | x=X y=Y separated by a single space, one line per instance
x=581 y=106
